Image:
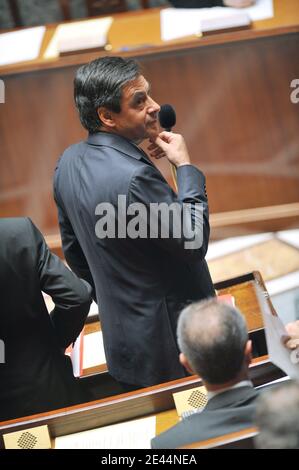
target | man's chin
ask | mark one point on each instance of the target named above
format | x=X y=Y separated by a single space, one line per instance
x=153 y=132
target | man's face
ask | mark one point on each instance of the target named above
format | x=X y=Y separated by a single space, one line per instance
x=138 y=118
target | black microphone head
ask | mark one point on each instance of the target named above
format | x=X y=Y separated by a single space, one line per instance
x=167 y=117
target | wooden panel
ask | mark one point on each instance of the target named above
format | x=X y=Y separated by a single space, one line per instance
x=246 y=300
x=235 y=112
x=244 y=290
x=37 y=122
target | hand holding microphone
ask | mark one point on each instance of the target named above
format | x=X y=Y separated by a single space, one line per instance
x=174 y=147
x=169 y=144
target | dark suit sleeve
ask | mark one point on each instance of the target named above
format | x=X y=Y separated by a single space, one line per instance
x=72 y=250
x=148 y=186
x=71 y=295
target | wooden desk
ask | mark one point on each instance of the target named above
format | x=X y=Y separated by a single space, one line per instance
x=235 y=440
x=158 y=399
x=232 y=96
x=128 y=406
x=244 y=290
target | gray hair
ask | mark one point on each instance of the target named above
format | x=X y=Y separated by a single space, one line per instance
x=277 y=417
x=213 y=335
x=100 y=83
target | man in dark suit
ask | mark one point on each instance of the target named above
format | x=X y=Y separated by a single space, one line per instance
x=214 y=342
x=142 y=268
x=35 y=375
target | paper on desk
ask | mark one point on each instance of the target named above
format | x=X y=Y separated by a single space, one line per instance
x=282 y=357
x=80 y=35
x=261 y=10
x=135 y=434
x=19 y=46
x=180 y=22
x=93 y=350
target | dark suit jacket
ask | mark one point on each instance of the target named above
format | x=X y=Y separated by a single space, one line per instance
x=225 y=413
x=141 y=284
x=36 y=375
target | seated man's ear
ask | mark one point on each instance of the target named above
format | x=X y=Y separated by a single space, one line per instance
x=185 y=363
x=248 y=351
x=106 y=117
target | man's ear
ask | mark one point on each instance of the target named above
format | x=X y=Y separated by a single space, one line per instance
x=106 y=117
x=185 y=363
x=248 y=351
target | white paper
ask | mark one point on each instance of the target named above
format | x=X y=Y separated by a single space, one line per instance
x=180 y=22
x=78 y=34
x=135 y=434
x=94 y=309
x=93 y=350
x=285 y=359
x=19 y=46
x=76 y=355
x=262 y=10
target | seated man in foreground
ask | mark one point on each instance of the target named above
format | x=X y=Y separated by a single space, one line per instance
x=214 y=344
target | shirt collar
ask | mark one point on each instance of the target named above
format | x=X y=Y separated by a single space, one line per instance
x=243 y=383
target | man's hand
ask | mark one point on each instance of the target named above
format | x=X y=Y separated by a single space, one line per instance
x=172 y=146
x=238 y=3
x=292 y=341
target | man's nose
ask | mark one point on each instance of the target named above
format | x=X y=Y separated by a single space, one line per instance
x=154 y=107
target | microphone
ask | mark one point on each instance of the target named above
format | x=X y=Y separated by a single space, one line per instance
x=167 y=117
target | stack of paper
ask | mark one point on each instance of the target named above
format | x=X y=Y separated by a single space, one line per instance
x=135 y=434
